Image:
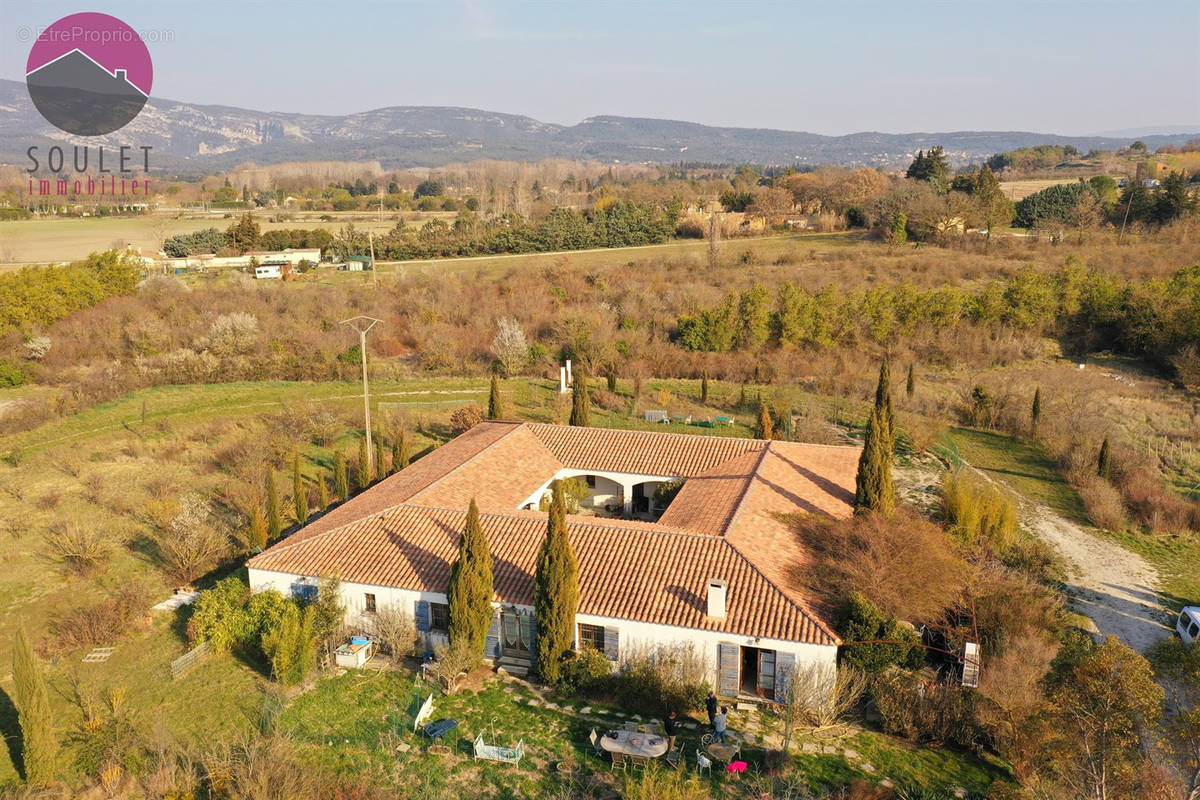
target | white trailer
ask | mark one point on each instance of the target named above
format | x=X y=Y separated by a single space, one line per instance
x=268 y=271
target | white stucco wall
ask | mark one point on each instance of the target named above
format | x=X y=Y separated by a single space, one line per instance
x=634 y=636
x=609 y=485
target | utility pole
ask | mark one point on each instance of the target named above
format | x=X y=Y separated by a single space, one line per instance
x=362 y=325
x=374 y=271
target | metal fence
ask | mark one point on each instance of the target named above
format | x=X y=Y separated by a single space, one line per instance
x=182 y=665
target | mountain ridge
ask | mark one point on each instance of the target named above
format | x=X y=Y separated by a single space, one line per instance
x=197 y=137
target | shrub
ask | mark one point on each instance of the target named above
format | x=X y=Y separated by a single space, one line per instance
x=464 y=418
x=920 y=712
x=10 y=374
x=188 y=545
x=883 y=638
x=229 y=617
x=103 y=621
x=290 y=644
x=585 y=672
x=661 y=680
x=1103 y=502
x=79 y=547
x=395 y=630
x=980 y=511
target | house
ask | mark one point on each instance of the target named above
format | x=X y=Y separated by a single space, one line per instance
x=711 y=571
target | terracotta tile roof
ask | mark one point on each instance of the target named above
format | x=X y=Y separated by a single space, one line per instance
x=725 y=522
x=627 y=571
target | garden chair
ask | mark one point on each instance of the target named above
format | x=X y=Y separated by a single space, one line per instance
x=630 y=726
x=675 y=758
x=639 y=761
x=594 y=738
x=619 y=760
x=703 y=762
x=644 y=729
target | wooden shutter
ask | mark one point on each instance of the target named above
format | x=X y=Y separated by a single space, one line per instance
x=533 y=634
x=491 y=648
x=612 y=643
x=729 y=656
x=785 y=669
x=423 y=616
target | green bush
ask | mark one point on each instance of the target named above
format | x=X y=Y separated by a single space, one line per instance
x=10 y=375
x=980 y=510
x=921 y=713
x=883 y=638
x=229 y=617
x=585 y=672
x=672 y=679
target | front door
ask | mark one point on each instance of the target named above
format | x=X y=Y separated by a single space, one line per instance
x=758 y=672
x=514 y=634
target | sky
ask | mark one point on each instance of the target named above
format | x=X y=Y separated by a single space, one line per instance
x=1052 y=66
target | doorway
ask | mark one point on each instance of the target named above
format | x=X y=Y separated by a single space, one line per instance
x=758 y=672
x=514 y=634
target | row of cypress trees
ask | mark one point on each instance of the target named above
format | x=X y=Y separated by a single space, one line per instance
x=555 y=590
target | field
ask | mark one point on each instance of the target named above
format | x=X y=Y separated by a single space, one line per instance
x=1020 y=189
x=37 y=241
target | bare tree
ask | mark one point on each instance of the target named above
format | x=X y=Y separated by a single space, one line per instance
x=510 y=346
x=395 y=630
x=188 y=543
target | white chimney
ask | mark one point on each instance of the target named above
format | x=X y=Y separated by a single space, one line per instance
x=716 y=598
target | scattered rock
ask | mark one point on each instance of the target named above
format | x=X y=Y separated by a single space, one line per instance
x=958 y=791
x=866 y=767
x=585 y=710
x=851 y=755
x=887 y=783
x=403 y=747
x=829 y=750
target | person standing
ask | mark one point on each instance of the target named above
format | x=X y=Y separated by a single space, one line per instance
x=710 y=705
x=671 y=725
x=719 y=722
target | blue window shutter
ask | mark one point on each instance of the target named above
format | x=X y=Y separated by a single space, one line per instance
x=532 y=637
x=423 y=617
x=785 y=669
x=729 y=658
x=491 y=648
x=612 y=643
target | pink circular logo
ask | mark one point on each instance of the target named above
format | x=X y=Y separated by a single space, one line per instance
x=89 y=74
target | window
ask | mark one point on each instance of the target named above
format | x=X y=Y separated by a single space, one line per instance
x=369 y=603
x=439 y=616
x=591 y=481
x=591 y=636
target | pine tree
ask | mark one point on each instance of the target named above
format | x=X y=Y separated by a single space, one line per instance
x=471 y=588
x=1103 y=465
x=495 y=408
x=873 y=485
x=402 y=446
x=299 y=491
x=341 y=482
x=764 y=428
x=322 y=491
x=256 y=528
x=910 y=384
x=555 y=591
x=1035 y=412
x=380 y=459
x=39 y=746
x=274 y=518
x=363 y=473
x=704 y=386
x=580 y=403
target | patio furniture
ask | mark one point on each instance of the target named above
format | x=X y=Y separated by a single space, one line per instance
x=629 y=726
x=644 y=729
x=703 y=762
x=436 y=730
x=656 y=415
x=494 y=752
x=619 y=760
x=634 y=743
x=724 y=420
x=639 y=761
x=675 y=758
x=705 y=423
x=424 y=713
x=725 y=753
x=594 y=738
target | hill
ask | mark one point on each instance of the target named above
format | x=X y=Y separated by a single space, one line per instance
x=187 y=135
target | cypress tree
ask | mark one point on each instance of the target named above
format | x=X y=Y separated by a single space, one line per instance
x=322 y=491
x=637 y=385
x=704 y=386
x=873 y=485
x=765 y=428
x=396 y=455
x=256 y=529
x=274 y=518
x=39 y=747
x=299 y=492
x=580 y=403
x=555 y=591
x=1103 y=466
x=402 y=446
x=363 y=473
x=471 y=588
x=380 y=459
x=910 y=384
x=1035 y=412
x=741 y=403
x=341 y=482
x=495 y=409
x=610 y=377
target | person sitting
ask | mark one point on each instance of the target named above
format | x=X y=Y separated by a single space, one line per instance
x=719 y=723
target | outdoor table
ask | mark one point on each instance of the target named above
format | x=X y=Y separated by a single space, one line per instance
x=723 y=752
x=436 y=730
x=634 y=743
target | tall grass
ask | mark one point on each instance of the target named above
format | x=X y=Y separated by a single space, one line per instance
x=980 y=511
